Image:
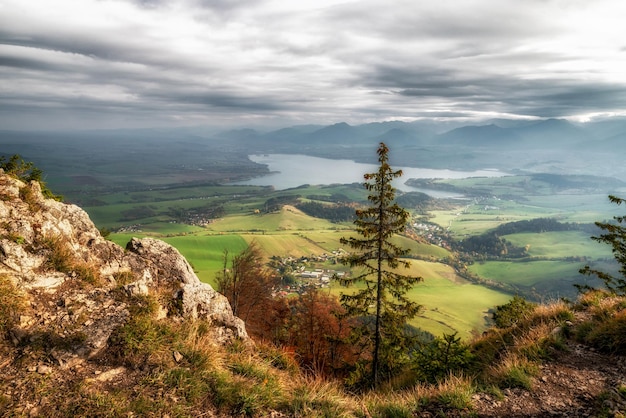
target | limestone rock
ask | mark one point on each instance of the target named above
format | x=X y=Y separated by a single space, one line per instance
x=71 y=277
x=164 y=266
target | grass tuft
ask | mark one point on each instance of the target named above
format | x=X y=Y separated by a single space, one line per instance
x=310 y=397
x=61 y=257
x=455 y=392
x=11 y=303
x=30 y=198
x=515 y=372
x=609 y=336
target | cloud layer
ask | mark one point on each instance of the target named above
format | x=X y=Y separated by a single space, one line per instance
x=129 y=63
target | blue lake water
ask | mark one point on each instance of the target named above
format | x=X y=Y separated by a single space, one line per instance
x=293 y=170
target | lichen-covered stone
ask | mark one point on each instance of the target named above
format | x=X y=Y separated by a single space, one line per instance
x=80 y=303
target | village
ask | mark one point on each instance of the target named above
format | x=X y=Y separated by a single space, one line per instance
x=299 y=274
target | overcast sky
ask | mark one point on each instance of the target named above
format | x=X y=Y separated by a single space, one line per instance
x=145 y=63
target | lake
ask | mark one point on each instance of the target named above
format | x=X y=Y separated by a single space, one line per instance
x=293 y=170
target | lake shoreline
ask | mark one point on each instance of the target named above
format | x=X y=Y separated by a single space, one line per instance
x=288 y=171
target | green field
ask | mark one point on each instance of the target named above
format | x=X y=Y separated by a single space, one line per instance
x=449 y=303
x=206 y=253
x=515 y=198
x=288 y=218
x=560 y=244
x=544 y=280
x=473 y=218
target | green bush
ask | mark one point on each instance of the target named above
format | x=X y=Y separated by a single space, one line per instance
x=26 y=171
x=512 y=312
x=435 y=360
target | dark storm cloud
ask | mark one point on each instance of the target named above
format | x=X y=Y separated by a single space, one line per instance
x=324 y=61
x=27 y=63
x=220 y=100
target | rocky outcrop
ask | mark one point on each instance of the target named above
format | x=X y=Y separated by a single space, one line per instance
x=161 y=265
x=78 y=288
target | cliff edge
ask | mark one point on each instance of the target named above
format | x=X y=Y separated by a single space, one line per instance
x=66 y=292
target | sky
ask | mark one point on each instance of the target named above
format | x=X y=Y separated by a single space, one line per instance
x=81 y=64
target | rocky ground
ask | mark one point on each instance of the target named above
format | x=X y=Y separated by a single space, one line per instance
x=580 y=382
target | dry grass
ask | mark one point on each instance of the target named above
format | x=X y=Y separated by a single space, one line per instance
x=11 y=303
x=454 y=393
x=315 y=397
x=513 y=371
x=175 y=368
x=510 y=357
x=61 y=257
x=28 y=196
x=604 y=326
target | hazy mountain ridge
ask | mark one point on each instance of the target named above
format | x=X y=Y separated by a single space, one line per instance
x=489 y=133
x=482 y=136
x=199 y=154
x=470 y=134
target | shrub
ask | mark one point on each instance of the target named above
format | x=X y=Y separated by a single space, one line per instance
x=26 y=171
x=512 y=312
x=435 y=360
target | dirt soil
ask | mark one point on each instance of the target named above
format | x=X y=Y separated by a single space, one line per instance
x=578 y=383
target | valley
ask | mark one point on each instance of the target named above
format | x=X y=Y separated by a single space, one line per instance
x=190 y=188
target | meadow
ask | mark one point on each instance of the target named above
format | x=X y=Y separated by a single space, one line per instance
x=560 y=244
x=539 y=279
x=554 y=258
x=287 y=233
x=449 y=303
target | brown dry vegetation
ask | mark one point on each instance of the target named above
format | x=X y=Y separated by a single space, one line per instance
x=555 y=361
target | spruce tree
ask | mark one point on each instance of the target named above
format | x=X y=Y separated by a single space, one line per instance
x=381 y=305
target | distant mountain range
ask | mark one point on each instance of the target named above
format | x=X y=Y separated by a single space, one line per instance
x=502 y=133
x=548 y=145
